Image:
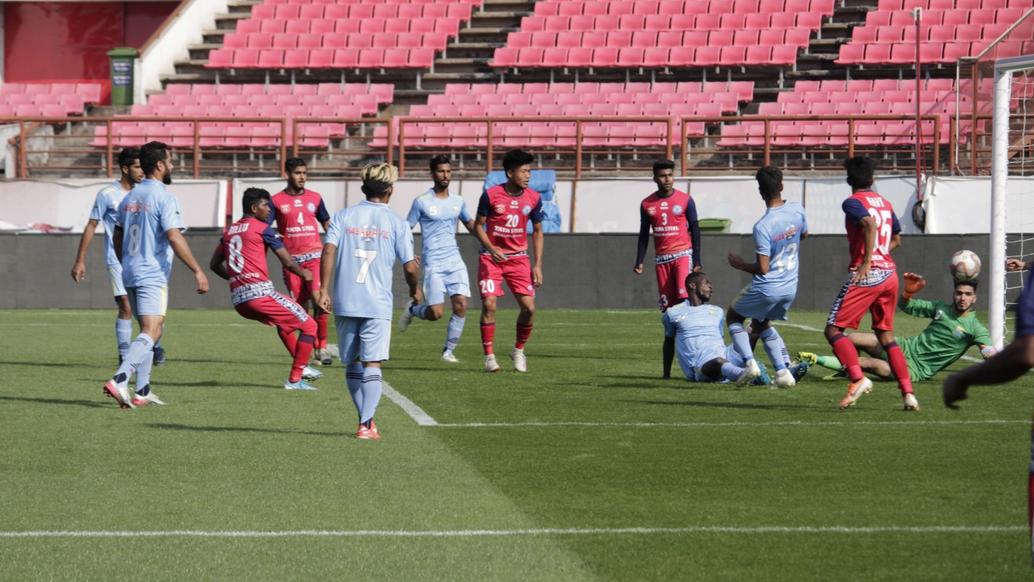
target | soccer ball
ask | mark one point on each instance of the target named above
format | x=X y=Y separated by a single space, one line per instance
x=965 y=266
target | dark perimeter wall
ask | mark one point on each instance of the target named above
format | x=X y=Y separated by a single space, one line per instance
x=582 y=271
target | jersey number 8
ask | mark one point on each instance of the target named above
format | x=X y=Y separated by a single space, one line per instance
x=236 y=260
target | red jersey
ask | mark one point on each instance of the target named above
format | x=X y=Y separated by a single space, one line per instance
x=244 y=246
x=669 y=217
x=298 y=219
x=867 y=203
x=507 y=217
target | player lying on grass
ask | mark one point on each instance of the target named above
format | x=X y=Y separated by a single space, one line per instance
x=240 y=258
x=696 y=329
x=953 y=328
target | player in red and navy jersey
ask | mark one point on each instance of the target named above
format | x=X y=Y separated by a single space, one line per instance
x=873 y=232
x=502 y=228
x=299 y=213
x=241 y=259
x=672 y=214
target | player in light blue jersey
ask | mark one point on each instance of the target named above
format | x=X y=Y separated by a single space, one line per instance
x=437 y=211
x=696 y=328
x=105 y=212
x=148 y=225
x=359 y=252
x=777 y=241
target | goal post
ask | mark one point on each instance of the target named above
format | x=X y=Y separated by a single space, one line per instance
x=1001 y=152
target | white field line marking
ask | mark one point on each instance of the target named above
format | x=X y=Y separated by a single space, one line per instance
x=480 y=533
x=801 y=423
x=408 y=406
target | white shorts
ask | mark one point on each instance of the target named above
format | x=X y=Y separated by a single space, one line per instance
x=118 y=289
x=441 y=284
x=752 y=303
x=149 y=300
x=363 y=339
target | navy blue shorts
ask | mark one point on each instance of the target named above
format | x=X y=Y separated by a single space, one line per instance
x=1025 y=307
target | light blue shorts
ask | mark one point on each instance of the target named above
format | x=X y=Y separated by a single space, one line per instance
x=439 y=285
x=363 y=339
x=148 y=300
x=118 y=289
x=730 y=354
x=754 y=304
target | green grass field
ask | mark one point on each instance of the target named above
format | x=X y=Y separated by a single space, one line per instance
x=589 y=467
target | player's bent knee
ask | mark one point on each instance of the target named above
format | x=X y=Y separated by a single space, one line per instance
x=434 y=313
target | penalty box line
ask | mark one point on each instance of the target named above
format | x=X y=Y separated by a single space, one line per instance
x=488 y=533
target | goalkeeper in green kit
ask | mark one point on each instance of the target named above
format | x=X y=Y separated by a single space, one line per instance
x=953 y=329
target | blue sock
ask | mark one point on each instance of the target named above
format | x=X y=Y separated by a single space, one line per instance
x=454 y=331
x=123 y=335
x=371 y=393
x=731 y=371
x=420 y=311
x=354 y=379
x=741 y=340
x=143 y=377
x=775 y=348
x=139 y=351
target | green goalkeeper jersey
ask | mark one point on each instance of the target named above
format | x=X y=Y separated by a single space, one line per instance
x=943 y=341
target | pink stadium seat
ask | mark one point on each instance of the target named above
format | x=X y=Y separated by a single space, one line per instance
x=245 y=58
x=554 y=57
x=619 y=38
x=707 y=55
x=759 y=54
x=656 y=56
x=632 y=22
x=682 y=56
x=605 y=57
x=720 y=38
x=272 y=26
x=784 y=55
x=579 y=57
x=732 y=55
x=630 y=57
x=505 y=57
x=220 y=59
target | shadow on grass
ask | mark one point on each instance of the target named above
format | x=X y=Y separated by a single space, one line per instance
x=732 y=405
x=246 y=429
x=214 y=384
x=50 y=364
x=87 y=403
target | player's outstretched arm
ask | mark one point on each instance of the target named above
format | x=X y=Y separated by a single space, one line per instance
x=182 y=249
x=759 y=267
x=411 y=269
x=1012 y=362
x=913 y=284
x=538 y=244
x=79 y=266
x=327 y=262
x=218 y=262
x=1016 y=265
x=642 y=242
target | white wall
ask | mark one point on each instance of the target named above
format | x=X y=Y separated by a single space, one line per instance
x=67 y=204
x=185 y=29
x=964 y=205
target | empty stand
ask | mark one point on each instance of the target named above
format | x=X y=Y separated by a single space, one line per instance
x=47 y=99
x=283 y=101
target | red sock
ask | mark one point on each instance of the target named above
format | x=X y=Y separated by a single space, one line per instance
x=523 y=333
x=289 y=339
x=302 y=353
x=487 y=337
x=321 y=330
x=899 y=366
x=848 y=356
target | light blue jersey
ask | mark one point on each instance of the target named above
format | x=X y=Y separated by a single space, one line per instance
x=146 y=214
x=368 y=238
x=105 y=211
x=697 y=332
x=437 y=219
x=778 y=236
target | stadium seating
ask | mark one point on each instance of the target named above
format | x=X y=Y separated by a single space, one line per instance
x=855 y=97
x=391 y=34
x=584 y=100
x=950 y=29
x=47 y=99
x=655 y=33
x=325 y=100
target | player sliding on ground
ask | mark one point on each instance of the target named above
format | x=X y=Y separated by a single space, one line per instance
x=437 y=211
x=672 y=214
x=502 y=228
x=695 y=329
x=361 y=247
x=299 y=213
x=953 y=328
x=873 y=232
x=148 y=225
x=105 y=212
x=777 y=241
x=240 y=258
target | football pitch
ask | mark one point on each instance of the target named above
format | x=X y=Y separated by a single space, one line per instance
x=589 y=467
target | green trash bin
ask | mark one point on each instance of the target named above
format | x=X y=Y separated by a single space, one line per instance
x=122 y=75
x=715 y=224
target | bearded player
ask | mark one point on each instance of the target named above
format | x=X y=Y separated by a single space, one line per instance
x=672 y=214
x=298 y=213
x=240 y=258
